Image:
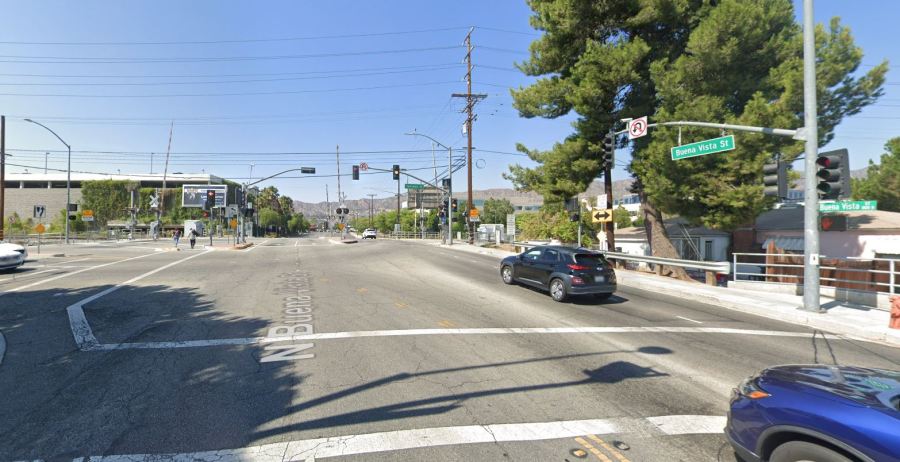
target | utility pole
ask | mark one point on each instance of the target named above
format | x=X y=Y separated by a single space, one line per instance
x=162 y=192
x=327 y=207
x=811 y=198
x=371 y=209
x=607 y=186
x=3 y=176
x=46 y=156
x=337 y=153
x=471 y=100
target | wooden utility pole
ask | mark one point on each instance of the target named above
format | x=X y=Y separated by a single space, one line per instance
x=2 y=174
x=610 y=227
x=471 y=100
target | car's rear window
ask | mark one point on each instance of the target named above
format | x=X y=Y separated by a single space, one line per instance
x=589 y=259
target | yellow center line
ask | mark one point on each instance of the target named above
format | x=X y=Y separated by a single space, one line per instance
x=401 y=305
x=618 y=455
x=596 y=452
x=446 y=323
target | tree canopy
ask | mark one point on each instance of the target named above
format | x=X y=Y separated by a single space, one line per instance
x=728 y=61
x=882 y=181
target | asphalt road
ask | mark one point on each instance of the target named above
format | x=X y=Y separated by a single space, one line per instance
x=423 y=353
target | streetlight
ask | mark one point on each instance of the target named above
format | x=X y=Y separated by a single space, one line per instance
x=68 y=173
x=449 y=182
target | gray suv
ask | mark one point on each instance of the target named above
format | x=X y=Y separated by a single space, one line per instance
x=563 y=271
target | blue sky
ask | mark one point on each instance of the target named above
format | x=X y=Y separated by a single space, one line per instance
x=357 y=74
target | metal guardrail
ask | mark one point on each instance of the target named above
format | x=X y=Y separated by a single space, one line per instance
x=718 y=267
x=411 y=235
x=891 y=285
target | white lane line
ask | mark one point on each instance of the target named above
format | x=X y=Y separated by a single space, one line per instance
x=688 y=319
x=688 y=424
x=255 y=246
x=16 y=289
x=25 y=275
x=336 y=446
x=419 y=332
x=71 y=261
x=81 y=330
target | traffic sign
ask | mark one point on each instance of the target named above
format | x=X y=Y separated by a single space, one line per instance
x=602 y=216
x=233 y=223
x=39 y=211
x=848 y=206
x=415 y=186
x=40 y=228
x=473 y=213
x=702 y=148
x=363 y=166
x=154 y=202
x=637 y=128
x=87 y=215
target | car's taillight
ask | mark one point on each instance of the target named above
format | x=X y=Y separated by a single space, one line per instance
x=750 y=389
x=579 y=267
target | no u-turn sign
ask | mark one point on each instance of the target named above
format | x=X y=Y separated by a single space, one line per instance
x=637 y=128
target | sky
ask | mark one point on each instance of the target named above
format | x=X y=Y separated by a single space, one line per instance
x=264 y=87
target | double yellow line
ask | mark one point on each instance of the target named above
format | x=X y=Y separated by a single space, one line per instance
x=598 y=453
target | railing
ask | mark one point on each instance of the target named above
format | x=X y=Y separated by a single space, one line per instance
x=412 y=235
x=880 y=276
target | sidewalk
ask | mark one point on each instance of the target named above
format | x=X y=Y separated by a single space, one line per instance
x=852 y=321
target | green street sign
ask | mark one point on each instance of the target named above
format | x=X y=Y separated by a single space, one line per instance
x=414 y=186
x=702 y=148
x=848 y=206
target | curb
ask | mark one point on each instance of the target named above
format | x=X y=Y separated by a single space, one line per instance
x=242 y=246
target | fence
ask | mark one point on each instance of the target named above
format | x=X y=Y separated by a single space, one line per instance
x=412 y=235
x=860 y=274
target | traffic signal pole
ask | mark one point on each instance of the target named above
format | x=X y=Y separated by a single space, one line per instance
x=811 y=197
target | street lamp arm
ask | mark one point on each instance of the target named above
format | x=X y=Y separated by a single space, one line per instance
x=273 y=176
x=51 y=131
x=430 y=138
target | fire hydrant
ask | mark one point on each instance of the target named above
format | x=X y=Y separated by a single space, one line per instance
x=895 y=312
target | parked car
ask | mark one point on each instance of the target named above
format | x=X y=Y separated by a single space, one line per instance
x=563 y=271
x=12 y=255
x=817 y=413
x=370 y=233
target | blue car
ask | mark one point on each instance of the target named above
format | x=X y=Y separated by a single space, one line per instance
x=817 y=413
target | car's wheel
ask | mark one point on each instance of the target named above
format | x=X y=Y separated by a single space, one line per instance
x=558 y=290
x=802 y=451
x=601 y=297
x=507 y=274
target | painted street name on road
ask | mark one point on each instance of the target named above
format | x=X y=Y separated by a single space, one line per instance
x=297 y=320
x=702 y=148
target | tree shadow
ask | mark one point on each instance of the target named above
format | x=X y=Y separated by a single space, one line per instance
x=60 y=402
x=610 y=373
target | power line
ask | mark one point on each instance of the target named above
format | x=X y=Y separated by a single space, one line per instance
x=248 y=93
x=25 y=59
x=226 y=41
x=208 y=82
x=239 y=153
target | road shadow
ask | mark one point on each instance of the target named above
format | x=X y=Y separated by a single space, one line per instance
x=610 y=373
x=60 y=403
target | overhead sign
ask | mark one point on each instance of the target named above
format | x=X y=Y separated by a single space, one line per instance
x=39 y=211
x=194 y=195
x=602 y=215
x=414 y=186
x=702 y=148
x=848 y=206
x=308 y=170
x=40 y=228
x=425 y=198
x=637 y=128
x=87 y=215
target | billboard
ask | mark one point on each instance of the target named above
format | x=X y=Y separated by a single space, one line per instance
x=426 y=198
x=194 y=195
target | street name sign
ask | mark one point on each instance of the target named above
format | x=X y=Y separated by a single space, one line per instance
x=848 y=206
x=702 y=148
x=602 y=215
x=415 y=186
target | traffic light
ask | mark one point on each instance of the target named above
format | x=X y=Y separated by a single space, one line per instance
x=239 y=197
x=210 y=199
x=775 y=181
x=608 y=156
x=833 y=172
x=356 y=172
x=829 y=173
x=833 y=223
x=454 y=205
x=396 y=171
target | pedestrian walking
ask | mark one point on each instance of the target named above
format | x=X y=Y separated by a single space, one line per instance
x=193 y=237
x=177 y=237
